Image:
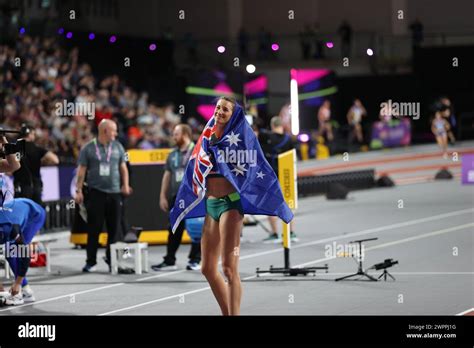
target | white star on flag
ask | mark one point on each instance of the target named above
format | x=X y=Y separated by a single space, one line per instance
x=239 y=169
x=233 y=139
x=260 y=175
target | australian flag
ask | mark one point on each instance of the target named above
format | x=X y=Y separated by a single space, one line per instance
x=240 y=160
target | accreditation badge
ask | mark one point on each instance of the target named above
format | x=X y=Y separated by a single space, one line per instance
x=179 y=175
x=104 y=169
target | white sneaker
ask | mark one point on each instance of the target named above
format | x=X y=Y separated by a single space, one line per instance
x=14 y=300
x=28 y=294
x=193 y=266
x=4 y=294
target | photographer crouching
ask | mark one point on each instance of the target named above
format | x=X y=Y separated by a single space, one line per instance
x=20 y=220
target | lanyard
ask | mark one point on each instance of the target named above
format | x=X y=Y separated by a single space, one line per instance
x=184 y=158
x=97 y=152
x=188 y=154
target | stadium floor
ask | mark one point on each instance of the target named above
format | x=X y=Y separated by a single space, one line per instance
x=431 y=237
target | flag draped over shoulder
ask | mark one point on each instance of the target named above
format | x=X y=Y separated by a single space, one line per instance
x=240 y=160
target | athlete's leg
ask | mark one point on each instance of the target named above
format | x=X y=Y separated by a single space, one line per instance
x=230 y=226
x=210 y=250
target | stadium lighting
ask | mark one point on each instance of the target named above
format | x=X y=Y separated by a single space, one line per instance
x=295 y=122
x=250 y=68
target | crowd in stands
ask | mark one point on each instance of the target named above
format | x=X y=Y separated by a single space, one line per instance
x=38 y=76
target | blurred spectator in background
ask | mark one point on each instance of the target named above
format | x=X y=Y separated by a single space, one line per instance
x=354 y=118
x=243 y=39
x=306 y=35
x=417 y=35
x=345 y=32
x=440 y=128
x=324 y=121
x=191 y=47
x=274 y=143
x=448 y=114
x=318 y=42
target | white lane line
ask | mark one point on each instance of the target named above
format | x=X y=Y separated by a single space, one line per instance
x=388 y=227
x=467 y=311
x=405 y=240
x=407 y=273
x=400 y=241
x=278 y=250
x=155 y=301
x=62 y=296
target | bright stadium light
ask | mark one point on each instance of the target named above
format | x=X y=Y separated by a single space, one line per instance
x=295 y=121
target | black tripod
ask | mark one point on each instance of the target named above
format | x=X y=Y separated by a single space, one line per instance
x=385 y=274
x=360 y=270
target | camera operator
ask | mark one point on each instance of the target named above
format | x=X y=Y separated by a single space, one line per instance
x=10 y=163
x=27 y=180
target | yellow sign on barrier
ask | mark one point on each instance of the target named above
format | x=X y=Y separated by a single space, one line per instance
x=287 y=177
x=288 y=182
x=148 y=156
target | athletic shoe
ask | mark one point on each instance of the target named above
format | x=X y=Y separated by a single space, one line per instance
x=293 y=237
x=193 y=266
x=164 y=267
x=28 y=294
x=4 y=294
x=89 y=268
x=273 y=238
x=15 y=300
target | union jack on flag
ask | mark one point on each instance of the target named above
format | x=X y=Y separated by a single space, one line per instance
x=202 y=164
x=256 y=182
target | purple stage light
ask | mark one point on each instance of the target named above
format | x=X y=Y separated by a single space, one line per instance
x=152 y=47
x=275 y=47
x=69 y=35
x=61 y=31
x=91 y=36
x=22 y=31
x=304 y=138
x=112 y=39
x=329 y=44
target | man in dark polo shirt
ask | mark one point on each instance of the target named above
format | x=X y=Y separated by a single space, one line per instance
x=103 y=160
x=174 y=172
x=274 y=143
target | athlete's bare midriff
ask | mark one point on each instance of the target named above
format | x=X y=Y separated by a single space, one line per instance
x=218 y=187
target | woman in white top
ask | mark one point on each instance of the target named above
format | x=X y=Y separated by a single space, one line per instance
x=354 y=118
